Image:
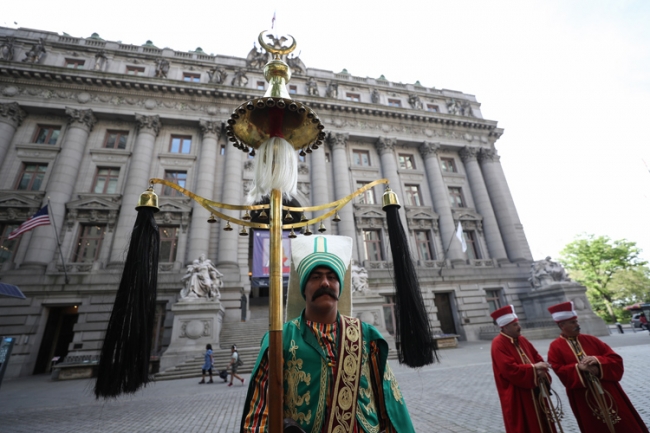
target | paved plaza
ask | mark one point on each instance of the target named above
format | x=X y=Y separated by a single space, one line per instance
x=457 y=395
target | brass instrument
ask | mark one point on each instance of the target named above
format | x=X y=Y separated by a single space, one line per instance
x=552 y=407
x=600 y=401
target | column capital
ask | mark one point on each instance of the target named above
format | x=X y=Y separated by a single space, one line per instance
x=210 y=127
x=429 y=149
x=489 y=155
x=468 y=153
x=12 y=112
x=148 y=122
x=338 y=139
x=83 y=118
x=385 y=144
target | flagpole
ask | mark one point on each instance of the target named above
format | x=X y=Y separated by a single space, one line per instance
x=58 y=243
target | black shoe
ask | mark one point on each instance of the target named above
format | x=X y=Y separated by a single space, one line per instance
x=202 y=382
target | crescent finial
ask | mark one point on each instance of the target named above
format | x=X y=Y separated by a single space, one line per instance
x=276 y=52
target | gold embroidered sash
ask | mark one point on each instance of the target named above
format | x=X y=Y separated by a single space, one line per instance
x=346 y=386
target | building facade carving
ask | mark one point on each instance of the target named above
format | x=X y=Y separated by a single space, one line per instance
x=130 y=115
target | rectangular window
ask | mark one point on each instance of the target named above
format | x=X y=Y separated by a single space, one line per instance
x=372 y=245
x=7 y=247
x=406 y=161
x=361 y=158
x=180 y=144
x=116 y=139
x=47 y=134
x=168 y=243
x=222 y=149
x=89 y=243
x=448 y=165
x=31 y=177
x=493 y=298
x=354 y=97
x=367 y=197
x=423 y=244
x=472 y=252
x=177 y=177
x=135 y=70
x=302 y=158
x=412 y=193
x=293 y=89
x=394 y=103
x=74 y=63
x=106 y=180
x=192 y=78
x=260 y=85
x=456 y=197
x=433 y=108
x=327 y=157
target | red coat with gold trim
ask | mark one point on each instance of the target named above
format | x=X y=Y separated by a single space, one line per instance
x=565 y=364
x=517 y=382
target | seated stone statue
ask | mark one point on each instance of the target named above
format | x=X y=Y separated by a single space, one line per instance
x=202 y=280
x=359 y=279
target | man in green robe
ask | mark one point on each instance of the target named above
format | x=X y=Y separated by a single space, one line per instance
x=336 y=377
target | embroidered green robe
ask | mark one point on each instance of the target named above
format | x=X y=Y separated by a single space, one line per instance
x=308 y=378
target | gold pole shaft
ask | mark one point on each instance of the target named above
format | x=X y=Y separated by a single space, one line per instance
x=275 y=394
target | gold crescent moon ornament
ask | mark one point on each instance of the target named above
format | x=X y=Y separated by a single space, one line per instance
x=276 y=52
x=251 y=125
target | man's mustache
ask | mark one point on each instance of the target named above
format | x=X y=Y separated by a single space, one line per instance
x=324 y=291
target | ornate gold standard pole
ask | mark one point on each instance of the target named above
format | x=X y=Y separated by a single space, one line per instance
x=276 y=388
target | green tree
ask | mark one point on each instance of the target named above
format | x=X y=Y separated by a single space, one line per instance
x=603 y=266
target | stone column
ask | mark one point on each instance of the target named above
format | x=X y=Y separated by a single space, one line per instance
x=61 y=185
x=504 y=206
x=386 y=149
x=217 y=190
x=338 y=141
x=232 y=194
x=483 y=205
x=441 y=204
x=319 y=188
x=137 y=181
x=199 y=236
x=11 y=116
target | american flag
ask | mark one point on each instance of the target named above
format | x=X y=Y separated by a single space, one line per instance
x=40 y=218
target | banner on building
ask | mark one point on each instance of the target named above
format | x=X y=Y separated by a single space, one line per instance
x=262 y=256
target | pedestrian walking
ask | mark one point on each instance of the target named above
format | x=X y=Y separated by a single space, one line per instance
x=207 y=364
x=235 y=362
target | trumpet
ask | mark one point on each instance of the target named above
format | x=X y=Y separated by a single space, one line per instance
x=551 y=405
x=600 y=401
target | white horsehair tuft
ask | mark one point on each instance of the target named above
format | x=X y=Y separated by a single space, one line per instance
x=276 y=167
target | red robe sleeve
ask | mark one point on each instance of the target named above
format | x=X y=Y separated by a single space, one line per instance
x=611 y=364
x=507 y=364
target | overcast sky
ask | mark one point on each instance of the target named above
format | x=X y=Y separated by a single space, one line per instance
x=567 y=80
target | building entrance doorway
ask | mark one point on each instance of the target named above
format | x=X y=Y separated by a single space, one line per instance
x=56 y=337
x=445 y=315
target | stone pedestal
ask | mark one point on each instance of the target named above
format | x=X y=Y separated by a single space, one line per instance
x=537 y=301
x=369 y=308
x=197 y=322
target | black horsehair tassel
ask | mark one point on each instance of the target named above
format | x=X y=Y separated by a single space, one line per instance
x=415 y=342
x=124 y=363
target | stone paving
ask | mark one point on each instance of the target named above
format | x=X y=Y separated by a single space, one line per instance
x=457 y=395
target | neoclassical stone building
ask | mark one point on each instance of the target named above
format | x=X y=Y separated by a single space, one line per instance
x=84 y=123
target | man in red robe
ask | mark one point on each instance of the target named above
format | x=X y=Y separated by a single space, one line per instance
x=518 y=372
x=590 y=370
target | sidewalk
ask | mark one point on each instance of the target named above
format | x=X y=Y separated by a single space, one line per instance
x=456 y=395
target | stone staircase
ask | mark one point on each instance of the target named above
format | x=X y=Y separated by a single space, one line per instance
x=245 y=335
